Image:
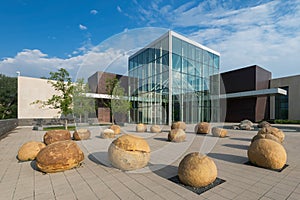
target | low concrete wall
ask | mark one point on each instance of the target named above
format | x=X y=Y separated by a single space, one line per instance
x=7 y=125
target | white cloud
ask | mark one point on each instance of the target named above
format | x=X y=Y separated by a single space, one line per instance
x=119 y=9
x=82 y=27
x=110 y=56
x=93 y=12
x=247 y=33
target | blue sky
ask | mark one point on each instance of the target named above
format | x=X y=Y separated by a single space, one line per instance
x=37 y=37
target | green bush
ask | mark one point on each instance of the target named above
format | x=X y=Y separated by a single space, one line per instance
x=286 y=121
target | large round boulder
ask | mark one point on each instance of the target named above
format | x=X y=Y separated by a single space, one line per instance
x=81 y=134
x=179 y=124
x=202 y=128
x=59 y=156
x=56 y=135
x=219 y=132
x=155 y=129
x=197 y=170
x=246 y=125
x=116 y=129
x=129 y=152
x=29 y=150
x=265 y=136
x=141 y=128
x=108 y=133
x=267 y=153
x=176 y=135
x=263 y=124
x=274 y=131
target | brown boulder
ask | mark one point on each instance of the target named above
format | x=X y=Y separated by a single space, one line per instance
x=197 y=170
x=129 y=152
x=116 y=129
x=263 y=124
x=155 y=129
x=202 y=128
x=265 y=136
x=59 y=156
x=176 y=135
x=274 y=131
x=219 y=132
x=108 y=133
x=29 y=150
x=56 y=135
x=141 y=128
x=179 y=124
x=267 y=153
x=81 y=134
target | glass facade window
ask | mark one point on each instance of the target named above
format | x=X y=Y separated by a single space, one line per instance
x=170 y=80
x=282 y=105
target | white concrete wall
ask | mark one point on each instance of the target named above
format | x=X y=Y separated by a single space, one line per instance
x=30 y=90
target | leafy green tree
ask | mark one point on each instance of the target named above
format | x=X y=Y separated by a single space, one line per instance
x=62 y=83
x=8 y=97
x=118 y=102
x=82 y=104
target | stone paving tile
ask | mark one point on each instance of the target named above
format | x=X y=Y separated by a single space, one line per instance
x=93 y=180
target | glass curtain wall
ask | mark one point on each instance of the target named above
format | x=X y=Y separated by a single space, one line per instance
x=191 y=85
x=148 y=84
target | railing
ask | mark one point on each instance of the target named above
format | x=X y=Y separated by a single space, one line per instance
x=7 y=125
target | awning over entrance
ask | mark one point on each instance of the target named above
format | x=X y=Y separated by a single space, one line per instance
x=253 y=93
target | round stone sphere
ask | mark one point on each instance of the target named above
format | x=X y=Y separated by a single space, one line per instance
x=129 y=152
x=116 y=129
x=108 y=133
x=263 y=124
x=274 y=131
x=56 y=135
x=197 y=170
x=179 y=124
x=219 y=132
x=265 y=136
x=81 y=134
x=267 y=153
x=176 y=135
x=59 y=156
x=141 y=128
x=29 y=150
x=202 y=128
x=155 y=129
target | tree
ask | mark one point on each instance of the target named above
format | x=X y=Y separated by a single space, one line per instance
x=61 y=82
x=118 y=103
x=82 y=104
x=8 y=97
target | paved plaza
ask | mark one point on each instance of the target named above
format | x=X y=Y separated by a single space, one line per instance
x=97 y=179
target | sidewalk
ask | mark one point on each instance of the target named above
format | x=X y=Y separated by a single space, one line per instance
x=96 y=179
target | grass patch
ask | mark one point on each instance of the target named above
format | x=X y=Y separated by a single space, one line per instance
x=70 y=128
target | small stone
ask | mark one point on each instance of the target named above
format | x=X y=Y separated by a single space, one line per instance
x=197 y=170
x=202 y=128
x=155 y=129
x=176 y=135
x=108 y=133
x=56 y=135
x=219 y=132
x=179 y=124
x=29 y=150
x=246 y=125
x=267 y=153
x=81 y=134
x=141 y=128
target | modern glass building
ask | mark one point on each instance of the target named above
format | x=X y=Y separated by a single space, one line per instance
x=174 y=79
